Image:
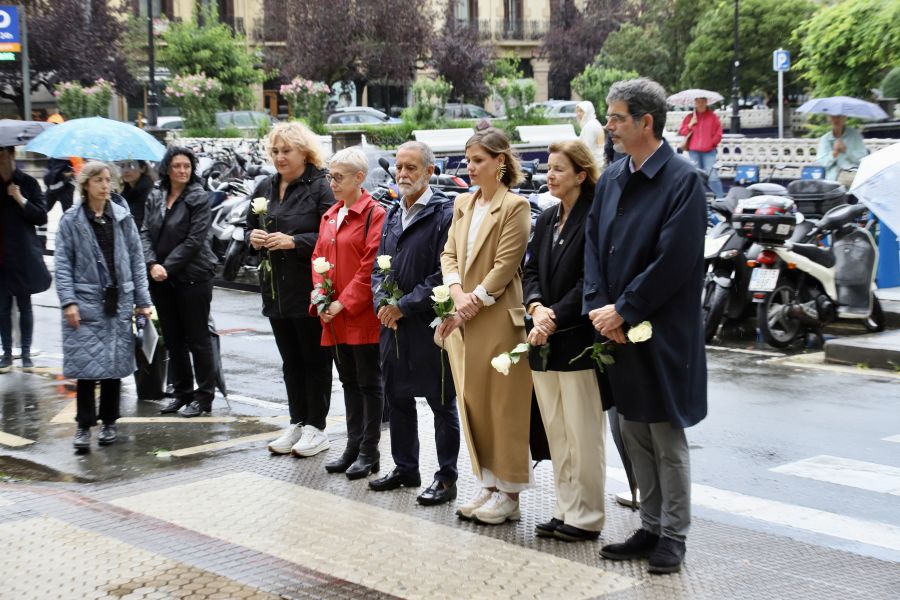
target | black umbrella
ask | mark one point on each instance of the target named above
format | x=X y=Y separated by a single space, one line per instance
x=217 y=359
x=14 y=132
x=623 y=454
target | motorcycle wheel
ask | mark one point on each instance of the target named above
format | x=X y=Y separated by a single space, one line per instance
x=778 y=329
x=715 y=300
x=234 y=260
x=875 y=322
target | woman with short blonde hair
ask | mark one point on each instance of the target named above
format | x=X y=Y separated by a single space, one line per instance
x=300 y=137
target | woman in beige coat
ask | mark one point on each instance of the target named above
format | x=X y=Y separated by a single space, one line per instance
x=481 y=264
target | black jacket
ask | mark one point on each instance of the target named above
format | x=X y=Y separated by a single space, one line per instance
x=178 y=238
x=553 y=276
x=305 y=201
x=137 y=198
x=22 y=268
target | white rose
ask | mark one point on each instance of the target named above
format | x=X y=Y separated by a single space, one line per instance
x=521 y=348
x=640 y=332
x=259 y=206
x=440 y=293
x=384 y=262
x=502 y=363
x=321 y=265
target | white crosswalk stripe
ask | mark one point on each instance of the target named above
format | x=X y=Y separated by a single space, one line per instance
x=848 y=472
x=893 y=438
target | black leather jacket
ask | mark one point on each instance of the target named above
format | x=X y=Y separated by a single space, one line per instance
x=306 y=199
x=178 y=238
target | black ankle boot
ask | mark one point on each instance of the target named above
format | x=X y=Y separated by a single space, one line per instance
x=363 y=466
x=341 y=464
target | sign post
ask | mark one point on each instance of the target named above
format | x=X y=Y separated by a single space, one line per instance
x=781 y=62
x=11 y=43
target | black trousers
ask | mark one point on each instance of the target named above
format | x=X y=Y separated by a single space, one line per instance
x=359 y=368
x=183 y=310
x=405 y=435
x=110 y=393
x=307 y=369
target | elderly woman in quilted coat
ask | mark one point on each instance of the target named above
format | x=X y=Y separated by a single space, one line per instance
x=101 y=280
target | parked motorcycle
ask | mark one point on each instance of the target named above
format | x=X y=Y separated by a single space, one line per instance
x=801 y=287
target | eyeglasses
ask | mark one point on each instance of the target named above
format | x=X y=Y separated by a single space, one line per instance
x=335 y=177
x=129 y=164
x=616 y=118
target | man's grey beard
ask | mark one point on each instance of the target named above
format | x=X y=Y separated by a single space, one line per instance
x=414 y=188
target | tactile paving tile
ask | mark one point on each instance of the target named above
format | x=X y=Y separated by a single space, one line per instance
x=47 y=558
x=376 y=548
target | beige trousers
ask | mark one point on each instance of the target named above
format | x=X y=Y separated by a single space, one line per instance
x=576 y=431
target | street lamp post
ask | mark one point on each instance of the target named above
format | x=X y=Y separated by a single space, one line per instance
x=735 y=87
x=152 y=103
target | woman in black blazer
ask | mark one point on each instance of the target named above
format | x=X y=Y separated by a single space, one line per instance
x=568 y=394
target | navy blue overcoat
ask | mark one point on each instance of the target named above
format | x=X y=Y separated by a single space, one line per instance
x=644 y=253
x=416 y=268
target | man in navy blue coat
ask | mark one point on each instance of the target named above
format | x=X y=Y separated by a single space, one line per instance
x=644 y=262
x=414 y=234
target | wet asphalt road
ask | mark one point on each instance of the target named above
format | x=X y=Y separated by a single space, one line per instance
x=761 y=415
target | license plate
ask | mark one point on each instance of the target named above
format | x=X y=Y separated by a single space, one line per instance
x=763 y=280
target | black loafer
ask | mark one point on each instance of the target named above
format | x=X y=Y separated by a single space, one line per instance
x=667 y=557
x=394 y=480
x=362 y=467
x=546 y=529
x=195 y=409
x=570 y=533
x=174 y=406
x=641 y=544
x=439 y=492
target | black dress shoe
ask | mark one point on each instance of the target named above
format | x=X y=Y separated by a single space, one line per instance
x=546 y=529
x=174 y=406
x=341 y=464
x=570 y=533
x=108 y=435
x=641 y=544
x=82 y=438
x=362 y=467
x=667 y=557
x=395 y=479
x=439 y=492
x=196 y=409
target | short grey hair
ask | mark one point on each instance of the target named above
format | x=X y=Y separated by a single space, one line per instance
x=642 y=96
x=422 y=148
x=351 y=157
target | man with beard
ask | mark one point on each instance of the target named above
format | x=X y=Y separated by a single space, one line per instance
x=413 y=237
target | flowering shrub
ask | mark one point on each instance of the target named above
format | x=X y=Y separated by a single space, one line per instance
x=429 y=98
x=307 y=100
x=197 y=96
x=76 y=101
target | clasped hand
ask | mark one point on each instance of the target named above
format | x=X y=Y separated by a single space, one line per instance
x=260 y=238
x=608 y=323
x=467 y=305
x=389 y=315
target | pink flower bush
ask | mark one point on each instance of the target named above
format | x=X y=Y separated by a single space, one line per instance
x=197 y=96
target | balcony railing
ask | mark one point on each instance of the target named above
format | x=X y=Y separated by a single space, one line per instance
x=521 y=30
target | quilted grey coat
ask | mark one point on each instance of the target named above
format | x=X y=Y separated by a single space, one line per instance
x=102 y=347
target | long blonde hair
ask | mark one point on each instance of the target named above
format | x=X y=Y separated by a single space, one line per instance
x=495 y=142
x=300 y=137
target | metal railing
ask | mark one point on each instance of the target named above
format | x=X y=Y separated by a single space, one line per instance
x=515 y=30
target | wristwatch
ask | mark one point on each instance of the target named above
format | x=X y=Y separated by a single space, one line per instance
x=531 y=307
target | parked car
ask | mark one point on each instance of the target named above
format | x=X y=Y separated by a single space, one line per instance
x=455 y=110
x=242 y=119
x=557 y=109
x=364 y=115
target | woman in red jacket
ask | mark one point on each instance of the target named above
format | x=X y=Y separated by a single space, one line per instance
x=349 y=234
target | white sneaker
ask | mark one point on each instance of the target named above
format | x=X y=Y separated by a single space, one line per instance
x=312 y=442
x=289 y=437
x=497 y=510
x=464 y=511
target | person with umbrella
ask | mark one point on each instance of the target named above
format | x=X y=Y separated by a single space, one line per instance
x=702 y=133
x=841 y=148
x=22 y=268
x=100 y=280
x=181 y=266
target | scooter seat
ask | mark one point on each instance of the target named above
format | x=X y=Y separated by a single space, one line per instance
x=818 y=255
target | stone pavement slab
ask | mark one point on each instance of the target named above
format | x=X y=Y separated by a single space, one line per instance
x=876 y=350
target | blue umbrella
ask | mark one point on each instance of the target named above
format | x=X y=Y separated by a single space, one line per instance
x=98 y=138
x=844 y=105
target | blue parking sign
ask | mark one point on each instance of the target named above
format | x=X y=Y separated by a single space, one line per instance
x=9 y=29
x=781 y=60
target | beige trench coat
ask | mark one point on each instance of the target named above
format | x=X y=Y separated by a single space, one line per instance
x=495 y=409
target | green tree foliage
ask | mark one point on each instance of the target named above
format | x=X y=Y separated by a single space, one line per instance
x=214 y=49
x=890 y=86
x=594 y=82
x=848 y=46
x=640 y=49
x=429 y=98
x=765 y=25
